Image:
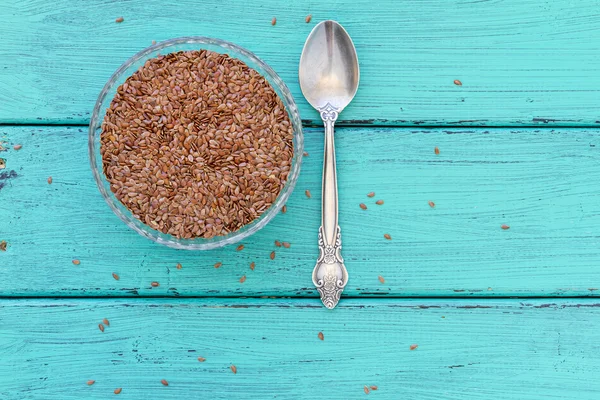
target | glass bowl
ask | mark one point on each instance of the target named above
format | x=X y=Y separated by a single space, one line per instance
x=132 y=65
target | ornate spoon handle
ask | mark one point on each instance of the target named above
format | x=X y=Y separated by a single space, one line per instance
x=330 y=275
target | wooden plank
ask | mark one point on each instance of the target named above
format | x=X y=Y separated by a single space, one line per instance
x=532 y=63
x=540 y=182
x=498 y=349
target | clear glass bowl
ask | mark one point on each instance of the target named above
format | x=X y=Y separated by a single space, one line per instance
x=132 y=65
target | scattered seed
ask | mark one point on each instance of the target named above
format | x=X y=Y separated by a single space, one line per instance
x=91 y=382
x=17 y=146
x=457 y=82
x=2 y=163
x=371 y=194
x=413 y=346
x=252 y=265
x=305 y=154
x=287 y=245
x=307 y=193
x=431 y=203
x=201 y=359
x=154 y=42
x=436 y=150
x=178 y=266
x=119 y=20
x=273 y=21
x=387 y=236
x=49 y=180
x=277 y=243
x=373 y=387
x=308 y=18
x=116 y=276
x=284 y=209
x=76 y=262
x=363 y=206
x=118 y=390
x=379 y=202
x=3 y=245
x=381 y=279
x=233 y=369
x=505 y=227
x=240 y=247
x=320 y=335
x=101 y=327
x=164 y=382
x=178 y=150
x=366 y=389
x=106 y=322
x=155 y=284
x=243 y=279
x=272 y=255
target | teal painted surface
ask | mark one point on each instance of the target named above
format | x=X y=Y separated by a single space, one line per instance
x=536 y=181
x=467 y=350
x=520 y=62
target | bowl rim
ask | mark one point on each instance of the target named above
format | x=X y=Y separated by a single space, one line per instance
x=218 y=241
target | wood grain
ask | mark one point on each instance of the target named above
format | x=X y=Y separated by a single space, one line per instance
x=499 y=349
x=520 y=63
x=539 y=182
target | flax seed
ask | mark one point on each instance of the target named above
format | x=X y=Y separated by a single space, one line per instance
x=164 y=382
x=321 y=336
x=91 y=382
x=273 y=21
x=457 y=82
x=101 y=327
x=106 y=322
x=287 y=245
x=3 y=245
x=240 y=247
x=116 y=277
x=233 y=369
x=17 y=146
x=387 y=236
x=243 y=279
x=252 y=265
x=201 y=359
x=436 y=150
x=366 y=389
x=381 y=279
x=413 y=346
x=371 y=194
x=76 y=262
x=277 y=243
x=155 y=284
x=118 y=390
x=379 y=202
x=373 y=387
x=119 y=20
x=284 y=209
x=505 y=227
x=307 y=193
x=308 y=18
x=272 y=255
x=363 y=206
x=178 y=266
x=49 y=180
x=218 y=265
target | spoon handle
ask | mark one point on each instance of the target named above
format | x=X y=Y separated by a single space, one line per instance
x=330 y=275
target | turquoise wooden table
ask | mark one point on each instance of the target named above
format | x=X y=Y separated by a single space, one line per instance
x=453 y=307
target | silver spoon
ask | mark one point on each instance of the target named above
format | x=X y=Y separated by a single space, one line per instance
x=329 y=79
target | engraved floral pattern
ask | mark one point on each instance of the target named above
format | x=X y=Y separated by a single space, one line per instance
x=330 y=287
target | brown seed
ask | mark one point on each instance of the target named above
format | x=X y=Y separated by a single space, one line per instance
x=201 y=359
x=164 y=382
x=155 y=284
x=178 y=266
x=307 y=193
x=308 y=18
x=49 y=180
x=118 y=390
x=273 y=21
x=379 y=202
x=154 y=42
x=431 y=204
x=457 y=82
x=287 y=245
x=106 y=322
x=413 y=346
x=101 y=327
x=233 y=369
x=284 y=209
x=218 y=265
x=373 y=387
x=115 y=276
x=387 y=236
x=371 y=194
x=320 y=335
x=3 y=245
x=381 y=279
x=272 y=255
x=504 y=226
x=436 y=150
x=240 y=247
x=363 y=206
x=252 y=265
x=305 y=154
x=17 y=146
x=119 y=20
x=366 y=389
x=243 y=279
x=76 y=262
x=277 y=243
x=91 y=382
